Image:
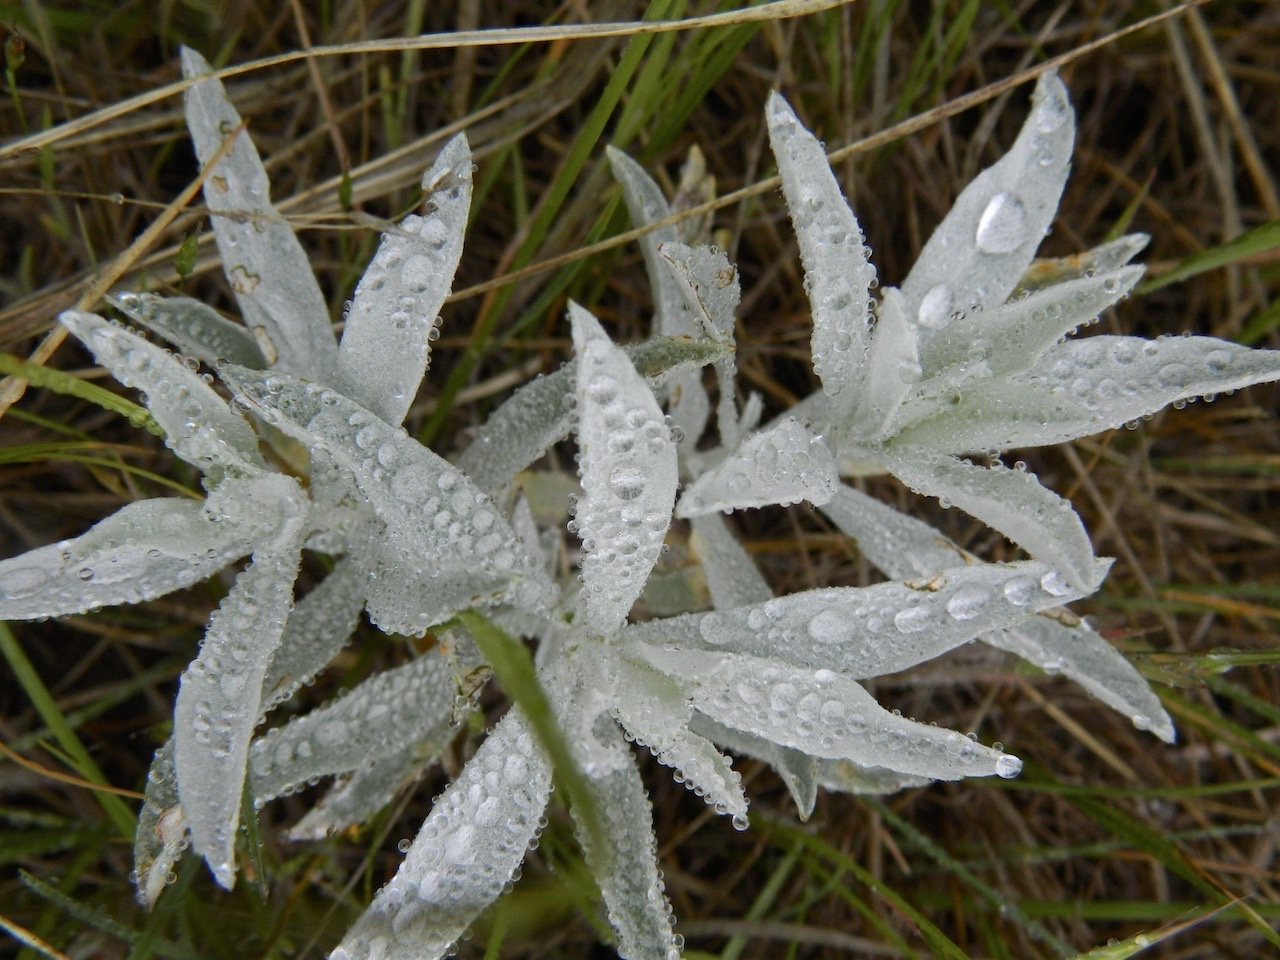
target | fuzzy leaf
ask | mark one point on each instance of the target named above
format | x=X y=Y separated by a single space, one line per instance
x=647 y=205
x=901 y=546
x=538 y=415
x=848 y=777
x=1119 y=379
x=837 y=267
x=994 y=414
x=414 y=702
x=193 y=327
x=904 y=547
x=980 y=250
x=199 y=426
x=797 y=769
x=446 y=546
x=784 y=464
x=386 y=346
x=624 y=860
x=356 y=798
x=870 y=631
x=1081 y=387
x=629 y=476
x=142 y=551
x=321 y=624
x=469 y=847
x=709 y=285
x=220 y=695
x=162 y=829
x=1104 y=258
x=654 y=712
x=893 y=368
x=823 y=714
x=1014 y=335
x=732 y=577
x=708 y=282
x=1068 y=646
x=672 y=316
x=269 y=272
x=341 y=514
x=1011 y=501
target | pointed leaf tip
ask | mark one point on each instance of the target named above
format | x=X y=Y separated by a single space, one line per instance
x=386 y=347
x=837 y=264
x=1012 y=501
x=269 y=272
x=782 y=464
x=469 y=847
x=454 y=158
x=983 y=246
x=193 y=62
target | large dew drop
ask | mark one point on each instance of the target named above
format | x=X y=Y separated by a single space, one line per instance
x=1002 y=227
x=1008 y=766
x=935 y=308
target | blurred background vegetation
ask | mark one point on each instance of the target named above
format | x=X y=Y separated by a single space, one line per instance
x=1110 y=841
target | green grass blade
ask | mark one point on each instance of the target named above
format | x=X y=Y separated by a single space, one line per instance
x=47 y=707
x=97 y=917
x=765 y=899
x=1158 y=845
x=64 y=383
x=953 y=867
x=1259 y=240
x=67 y=453
x=942 y=946
x=513 y=666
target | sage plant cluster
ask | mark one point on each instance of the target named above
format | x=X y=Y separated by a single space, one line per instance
x=301 y=448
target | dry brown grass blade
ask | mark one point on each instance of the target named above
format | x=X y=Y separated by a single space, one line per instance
x=1259 y=172
x=778 y=10
x=34 y=767
x=321 y=88
x=26 y=937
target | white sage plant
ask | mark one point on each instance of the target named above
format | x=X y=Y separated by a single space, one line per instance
x=910 y=384
x=416 y=540
x=787 y=463
x=971 y=354
x=967 y=356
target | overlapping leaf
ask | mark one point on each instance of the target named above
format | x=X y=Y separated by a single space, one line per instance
x=904 y=547
x=823 y=714
x=466 y=852
x=413 y=703
x=782 y=464
x=968 y=357
x=198 y=424
x=628 y=466
x=220 y=696
x=837 y=263
x=194 y=328
x=866 y=632
x=393 y=315
x=624 y=860
x=145 y=550
x=978 y=253
x=267 y=268
x=542 y=412
x=1013 y=501
x=446 y=546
